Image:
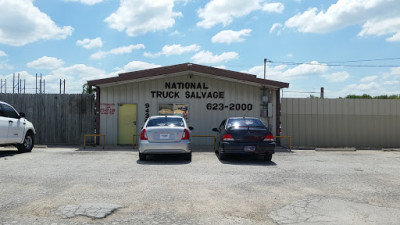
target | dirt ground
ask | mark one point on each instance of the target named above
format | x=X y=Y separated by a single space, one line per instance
x=299 y=187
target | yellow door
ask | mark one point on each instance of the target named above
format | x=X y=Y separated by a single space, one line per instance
x=126 y=124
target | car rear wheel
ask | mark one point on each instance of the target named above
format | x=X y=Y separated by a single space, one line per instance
x=188 y=156
x=142 y=157
x=27 y=145
x=268 y=158
x=221 y=156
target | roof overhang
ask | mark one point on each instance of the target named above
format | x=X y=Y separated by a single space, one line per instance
x=186 y=69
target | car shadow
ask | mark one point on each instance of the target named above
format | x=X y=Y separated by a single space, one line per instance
x=246 y=160
x=169 y=159
x=6 y=153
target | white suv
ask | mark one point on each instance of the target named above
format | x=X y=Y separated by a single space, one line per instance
x=15 y=129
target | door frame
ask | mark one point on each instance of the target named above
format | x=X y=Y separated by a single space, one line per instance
x=136 y=130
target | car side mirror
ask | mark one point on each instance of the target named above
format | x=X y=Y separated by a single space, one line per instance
x=191 y=128
x=22 y=115
x=215 y=129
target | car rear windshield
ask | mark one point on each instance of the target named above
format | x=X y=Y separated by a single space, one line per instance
x=165 y=121
x=244 y=122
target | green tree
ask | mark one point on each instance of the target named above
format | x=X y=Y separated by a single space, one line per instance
x=86 y=89
x=365 y=96
x=313 y=96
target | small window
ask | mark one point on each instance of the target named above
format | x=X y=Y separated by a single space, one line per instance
x=8 y=111
x=174 y=109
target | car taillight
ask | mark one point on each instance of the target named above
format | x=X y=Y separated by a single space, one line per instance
x=186 y=135
x=227 y=137
x=269 y=137
x=143 y=135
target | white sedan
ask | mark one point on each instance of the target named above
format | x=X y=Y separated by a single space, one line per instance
x=168 y=134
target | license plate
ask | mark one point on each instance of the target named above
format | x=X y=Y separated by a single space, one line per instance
x=164 y=136
x=249 y=148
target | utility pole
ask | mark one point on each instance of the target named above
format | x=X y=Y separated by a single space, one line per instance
x=40 y=84
x=322 y=93
x=61 y=82
x=265 y=67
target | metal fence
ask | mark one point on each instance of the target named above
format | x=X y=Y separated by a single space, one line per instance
x=58 y=118
x=341 y=122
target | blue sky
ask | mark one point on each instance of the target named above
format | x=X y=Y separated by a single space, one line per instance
x=345 y=46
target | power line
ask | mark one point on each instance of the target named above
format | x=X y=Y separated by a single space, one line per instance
x=364 y=60
x=305 y=92
x=343 y=63
x=332 y=65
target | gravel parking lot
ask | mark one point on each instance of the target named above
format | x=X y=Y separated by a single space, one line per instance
x=95 y=186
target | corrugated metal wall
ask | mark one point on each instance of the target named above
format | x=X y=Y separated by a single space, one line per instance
x=341 y=122
x=57 y=118
x=200 y=118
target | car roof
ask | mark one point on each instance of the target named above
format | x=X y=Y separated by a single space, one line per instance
x=242 y=117
x=170 y=116
x=5 y=103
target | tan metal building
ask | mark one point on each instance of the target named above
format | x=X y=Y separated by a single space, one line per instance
x=204 y=95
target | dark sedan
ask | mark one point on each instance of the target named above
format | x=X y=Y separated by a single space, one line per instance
x=244 y=135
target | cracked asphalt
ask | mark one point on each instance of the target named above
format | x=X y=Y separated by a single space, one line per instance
x=94 y=186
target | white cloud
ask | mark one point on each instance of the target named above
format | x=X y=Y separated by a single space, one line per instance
x=382 y=27
x=275 y=7
x=4 y=65
x=45 y=62
x=80 y=70
x=75 y=76
x=208 y=57
x=286 y=73
x=137 y=17
x=337 y=77
x=90 y=43
x=168 y=50
x=393 y=74
x=395 y=37
x=138 y=65
x=117 y=51
x=86 y=2
x=2 y=54
x=176 y=33
x=371 y=88
x=224 y=11
x=368 y=79
x=229 y=36
x=28 y=24
x=99 y=55
x=379 y=17
x=126 y=49
x=275 y=26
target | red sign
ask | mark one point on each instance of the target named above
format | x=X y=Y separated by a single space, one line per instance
x=107 y=108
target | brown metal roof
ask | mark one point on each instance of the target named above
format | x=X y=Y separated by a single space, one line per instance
x=187 y=67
